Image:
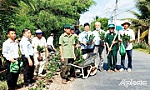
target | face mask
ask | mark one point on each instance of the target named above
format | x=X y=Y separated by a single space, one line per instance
x=97 y=28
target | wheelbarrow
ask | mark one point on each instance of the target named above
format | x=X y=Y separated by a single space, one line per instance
x=88 y=62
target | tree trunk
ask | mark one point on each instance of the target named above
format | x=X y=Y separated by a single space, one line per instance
x=149 y=36
x=138 y=35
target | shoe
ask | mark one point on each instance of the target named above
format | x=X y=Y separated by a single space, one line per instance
x=93 y=71
x=129 y=70
x=28 y=86
x=71 y=79
x=33 y=81
x=115 y=70
x=35 y=74
x=17 y=87
x=41 y=75
x=108 y=70
x=100 y=69
x=64 y=81
x=121 y=70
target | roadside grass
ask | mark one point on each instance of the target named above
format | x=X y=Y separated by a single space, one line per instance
x=142 y=50
x=142 y=47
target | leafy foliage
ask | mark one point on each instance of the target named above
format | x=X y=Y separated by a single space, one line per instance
x=76 y=39
x=143 y=6
x=40 y=48
x=53 y=65
x=141 y=45
x=125 y=38
x=103 y=21
x=102 y=35
x=79 y=57
x=48 y=15
x=143 y=18
x=89 y=38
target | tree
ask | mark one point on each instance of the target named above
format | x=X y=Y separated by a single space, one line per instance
x=143 y=18
x=6 y=12
x=47 y=15
x=103 y=21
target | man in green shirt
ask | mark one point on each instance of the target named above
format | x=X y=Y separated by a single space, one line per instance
x=66 y=42
x=112 y=50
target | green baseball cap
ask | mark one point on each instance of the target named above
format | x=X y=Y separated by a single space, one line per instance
x=72 y=27
x=67 y=26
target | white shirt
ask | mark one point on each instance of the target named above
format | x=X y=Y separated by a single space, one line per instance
x=97 y=36
x=26 y=47
x=50 y=41
x=82 y=38
x=129 y=32
x=10 y=49
x=40 y=42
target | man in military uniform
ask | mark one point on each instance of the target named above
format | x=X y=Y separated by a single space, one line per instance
x=66 y=42
x=111 y=40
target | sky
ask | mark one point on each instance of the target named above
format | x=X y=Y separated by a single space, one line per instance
x=105 y=8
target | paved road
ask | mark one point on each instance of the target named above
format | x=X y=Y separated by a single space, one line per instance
x=138 y=79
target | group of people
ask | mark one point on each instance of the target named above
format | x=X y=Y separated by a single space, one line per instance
x=33 y=59
x=111 y=39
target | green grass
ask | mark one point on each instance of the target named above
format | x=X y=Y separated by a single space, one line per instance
x=3 y=85
x=143 y=50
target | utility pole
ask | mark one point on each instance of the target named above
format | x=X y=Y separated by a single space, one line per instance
x=115 y=16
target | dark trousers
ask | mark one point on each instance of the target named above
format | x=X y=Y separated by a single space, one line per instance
x=11 y=77
x=112 y=59
x=129 y=54
x=28 y=70
x=84 y=51
x=100 y=51
x=67 y=71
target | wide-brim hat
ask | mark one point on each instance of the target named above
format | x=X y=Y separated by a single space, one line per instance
x=111 y=26
x=125 y=23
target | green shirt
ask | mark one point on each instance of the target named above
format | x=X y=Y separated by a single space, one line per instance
x=67 y=43
x=109 y=38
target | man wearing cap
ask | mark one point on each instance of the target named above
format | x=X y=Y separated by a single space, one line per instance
x=72 y=31
x=111 y=40
x=27 y=57
x=50 y=43
x=129 y=32
x=99 y=46
x=77 y=31
x=66 y=46
x=39 y=40
x=10 y=54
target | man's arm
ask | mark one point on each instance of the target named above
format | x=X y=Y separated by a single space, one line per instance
x=61 y=53
x=60 y=48
x=119 y=36
x=45 y=47
x=80 y=39
x=132 y=37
